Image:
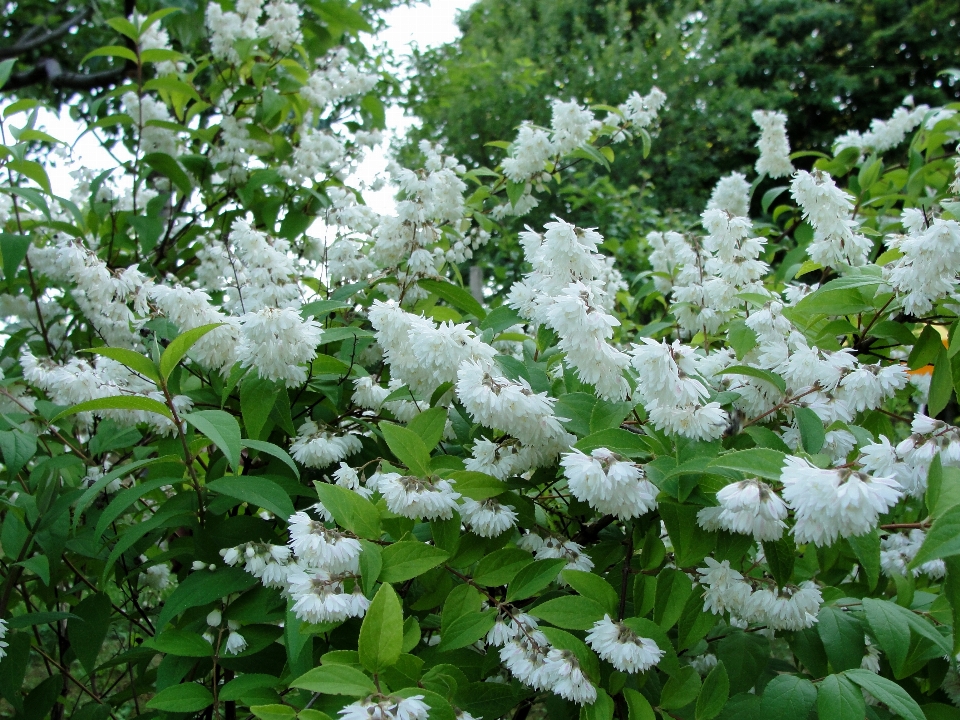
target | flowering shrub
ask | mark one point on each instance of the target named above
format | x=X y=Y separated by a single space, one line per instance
x=265 y=456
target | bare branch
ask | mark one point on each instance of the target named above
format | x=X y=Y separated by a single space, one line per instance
x=28 y=43
x=49 y=71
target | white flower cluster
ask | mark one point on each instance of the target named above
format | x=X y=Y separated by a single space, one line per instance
x=418 y=498
x=422 y=354
x=387 y=708
x=318 y=448
x=909 y=461
x=828 y=209
x=511 y=406
x=774 y=160
x=528 y=655
x=609 y=484
x=622 y=647
x=552 y=548
x=671 y=392
x=927 y=271
x=78 y=381
x=884 y=135
x=749 y=507
x=897 y=550
x=565 y=292
x=832 y=503
x=788 y=608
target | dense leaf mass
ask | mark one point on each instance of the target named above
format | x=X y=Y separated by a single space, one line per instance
x=266 y=454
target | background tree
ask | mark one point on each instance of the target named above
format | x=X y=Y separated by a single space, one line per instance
x=830 y=66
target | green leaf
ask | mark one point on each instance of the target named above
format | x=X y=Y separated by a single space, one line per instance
x=941 y=384
x=408 y=447
x=39 y=565
x=88 y=631
x=91 y=492
x=371 y=561
x=259 y=492
x=926 y=348
x=14 y=249
x=749 y=371
x=336 y=680
x=467 y=629
x=756 y=462
x=429 y=426
x=744 y=656
x=270 y=449
x=408 y=559
x=500 y=567
x=690 y=542
x=842 y=637
x=943 y=539
x=321 y=308
x=180 y=346
x=184 y=698
x=381 y=634
x=577 y=408
x=327 y=365
x=455 y=295
x=133 y=360
x=501 y=318
x=257 y=398
x=350 y=510
x=893 y=625
x=714 y=694
x=563 y=640
x=673 y=589
x=593 y=587
x=951 y=589
x=200 y=588
x=40 y=618
x=117 y=402
x=476 y=485
x=533 y=578
x=181 y=643
x=570 y=612
x=812 y=433
x=221 y=428
x=788 y=697
x=609 y=415
x=887 y=692
x=839 y=297
x=638 y=707
x=839 y=699
x=169 y=167
x=6 y=67
x=681 y=689
x=601 y=708
x=17 y=448
x=867 y=549
x=780 y=556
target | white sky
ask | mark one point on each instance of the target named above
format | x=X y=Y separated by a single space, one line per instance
x=426 y=24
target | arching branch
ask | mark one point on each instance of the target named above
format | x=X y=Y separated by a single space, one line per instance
x=32 y=41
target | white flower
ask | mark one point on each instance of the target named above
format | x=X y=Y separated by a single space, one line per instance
x=608 y=484
x=622 y=647
x=576 y=558
x=785 y=608
x=315 y=448
x=278 y=343
x=725 y=588
x=569 y=681
x=525 y=656
x=214 y=618
x=488 y=518
x=320 y=598
x=829 y=210
x=323 y=547
x=387 y=708
x=751 y=507
x=418 y=498
x=236 y=643
x=829 y=503
x=731 y=194
x=774 y=147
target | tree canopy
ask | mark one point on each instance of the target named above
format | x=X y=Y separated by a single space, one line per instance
x=831 y=66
